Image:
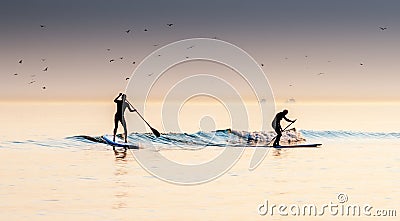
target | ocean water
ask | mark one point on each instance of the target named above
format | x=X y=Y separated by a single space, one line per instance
x=220 y=138
x=54 y=164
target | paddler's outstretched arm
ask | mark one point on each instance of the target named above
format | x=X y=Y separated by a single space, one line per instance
x=130 y=107
x=292 y=121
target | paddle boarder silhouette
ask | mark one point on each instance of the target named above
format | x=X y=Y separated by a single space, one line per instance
x=276 y=124
x=122 y=104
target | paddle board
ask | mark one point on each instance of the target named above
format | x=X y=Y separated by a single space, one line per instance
x=119 y=142
x=297 y=146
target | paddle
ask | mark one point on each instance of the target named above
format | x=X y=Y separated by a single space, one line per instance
x=282 y=131
x=155 y=132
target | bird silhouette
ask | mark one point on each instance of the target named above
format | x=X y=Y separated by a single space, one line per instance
x=155 y=45
x=31 y=82
x=15 y=74
x=45 y=69
x=20 y=61
x=321 y=73
x=44 y=87
x=121 y=58
x=43 y=59
x=190 y=47
x=383 y=28
x=127 y=31
x=108 y=49
x=291 y=100
x=361 y=64
x=112 y=60
x=170 y=24
x=126 y=79
x=145 y=29
x=150 y=74
x=134 y=62
x=262 y=65
x=42 y=26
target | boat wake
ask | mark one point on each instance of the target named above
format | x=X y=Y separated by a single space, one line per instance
x=202 y=139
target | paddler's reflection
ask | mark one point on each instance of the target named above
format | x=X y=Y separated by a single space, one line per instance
x=120 y=154
x=276 y=152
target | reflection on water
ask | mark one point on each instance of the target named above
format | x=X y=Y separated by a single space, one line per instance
x=121 y=175
x=276 y=152
x=120 y=154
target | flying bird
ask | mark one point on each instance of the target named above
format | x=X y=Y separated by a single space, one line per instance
x=361 y=64
x=321 y=73
x=108 y=49
x=190 y=47
x=45 y=69
x=43 y=59
x=145 y=29
x=155 y=45
x=383 y=28
x=291 y=100
x=126 y=79
x=262 y=65
x=44 y=87
x=170 y=24
x=20 y=61
x=15 y=74
x=127 y=31
x=121 y=58
x=31 y=82
x=150 y=74
x=112 y=60
x=42 y=26
x=134 y=62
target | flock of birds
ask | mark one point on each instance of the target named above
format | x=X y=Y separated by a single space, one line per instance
x=134 y=62
x=292 y=100
x=45 y=69
x=42 y=26
x=32 y=81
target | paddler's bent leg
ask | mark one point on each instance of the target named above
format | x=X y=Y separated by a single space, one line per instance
x=278 y=137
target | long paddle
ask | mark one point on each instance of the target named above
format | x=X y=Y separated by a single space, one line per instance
x=155 y=132
x=282 y=131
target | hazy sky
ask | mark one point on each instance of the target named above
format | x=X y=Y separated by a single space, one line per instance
x=310 y=50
